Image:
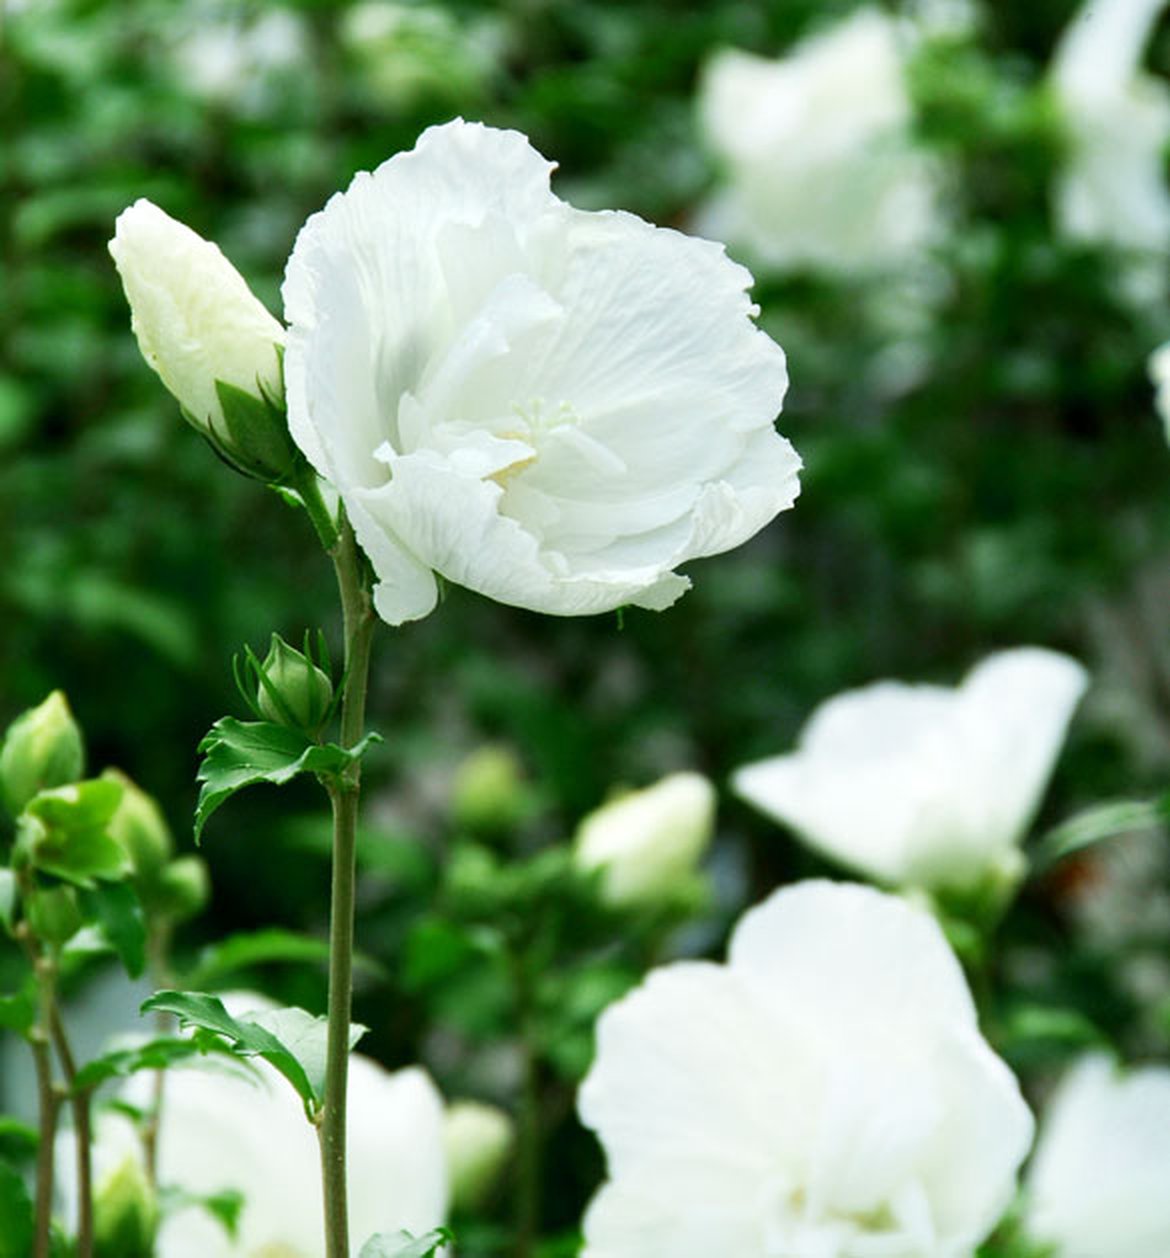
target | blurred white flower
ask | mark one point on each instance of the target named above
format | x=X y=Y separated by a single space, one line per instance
x=923 y=785
x=1099 y=1184
x=1159 y=368
x=221 y=1130
x=553 y=407
x=825 y=1093
x=822 y=169
x=223 y=59
x=648 y=843
x=198 y=323
x=478 y=1139
x=1116 y=118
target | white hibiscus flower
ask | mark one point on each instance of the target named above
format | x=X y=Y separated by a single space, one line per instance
x=553 y=407
x=1100 y=1181
x=826 y=1094
x=923 y=785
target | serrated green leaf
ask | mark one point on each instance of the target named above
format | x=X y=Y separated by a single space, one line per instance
x=65 y=832
x=117 y=913
x=290 y=1040
x=1096 y=825
x=16 y=1215
x=403 y=1245
x=237 y=754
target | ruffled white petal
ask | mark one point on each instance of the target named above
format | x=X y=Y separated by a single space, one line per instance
x=553 y=408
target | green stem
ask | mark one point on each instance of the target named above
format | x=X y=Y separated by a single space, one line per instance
x=304 y=481
x=359 y=621
x=80 y=1102
x=47 y=1101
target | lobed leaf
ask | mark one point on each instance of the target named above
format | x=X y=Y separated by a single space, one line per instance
x=403 y=1245
x=237 y=754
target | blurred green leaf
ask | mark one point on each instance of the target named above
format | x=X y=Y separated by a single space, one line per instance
x=119 y=1063
x=1097 y=825
x=16 y=1215
x=117 y=913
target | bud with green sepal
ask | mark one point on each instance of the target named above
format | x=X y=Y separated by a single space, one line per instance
x=478 y=1139
x=184 y=889
x=41 y=750
x=489 y=794
x=290 y=687
x=53 y=914
x=139 y=826
x=125 y=1213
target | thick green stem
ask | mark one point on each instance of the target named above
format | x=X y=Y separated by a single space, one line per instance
x=80 y=1102
x=359 y=622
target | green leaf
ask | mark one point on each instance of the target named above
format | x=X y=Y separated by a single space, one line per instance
x=237 y=754
x=19 y=1011
x=18 y=1141
x=225 y=1206
x=403 y=1245
x=154 y=1054
x=16 y=1215
x=1096 y=825
x=117 y=913
x=291 y=1040
x=7 y=897
x=65 y=832
x=261 y=947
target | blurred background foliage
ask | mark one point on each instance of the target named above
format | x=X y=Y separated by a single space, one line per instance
x=984 y=469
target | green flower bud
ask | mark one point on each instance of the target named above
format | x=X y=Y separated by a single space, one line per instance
x=478 y=1140
x=293 y=691
x=488 y=793
x=54 y=914
x=140 y=827
x=42 y=749
x=184 y=889
x=125 y=1213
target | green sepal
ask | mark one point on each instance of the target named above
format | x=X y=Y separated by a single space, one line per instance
x=65 y=832
x=257 y=440
x=237 y=754
x=291 y=1040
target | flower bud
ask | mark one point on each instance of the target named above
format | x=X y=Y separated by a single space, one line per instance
x=42 y=749
x=478 y=1140
x=125 y=1214
x=648 y=843
x=54 y=914
x=142 y=830
x=211 y=341
x=293 y=691
x=488 y=792
x=184 y=889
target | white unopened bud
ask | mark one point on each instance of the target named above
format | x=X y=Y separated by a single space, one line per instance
x=209 y=338
x=648 y=843
x=478 y=1139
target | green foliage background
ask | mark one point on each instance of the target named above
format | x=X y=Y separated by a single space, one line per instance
x=987 y=475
